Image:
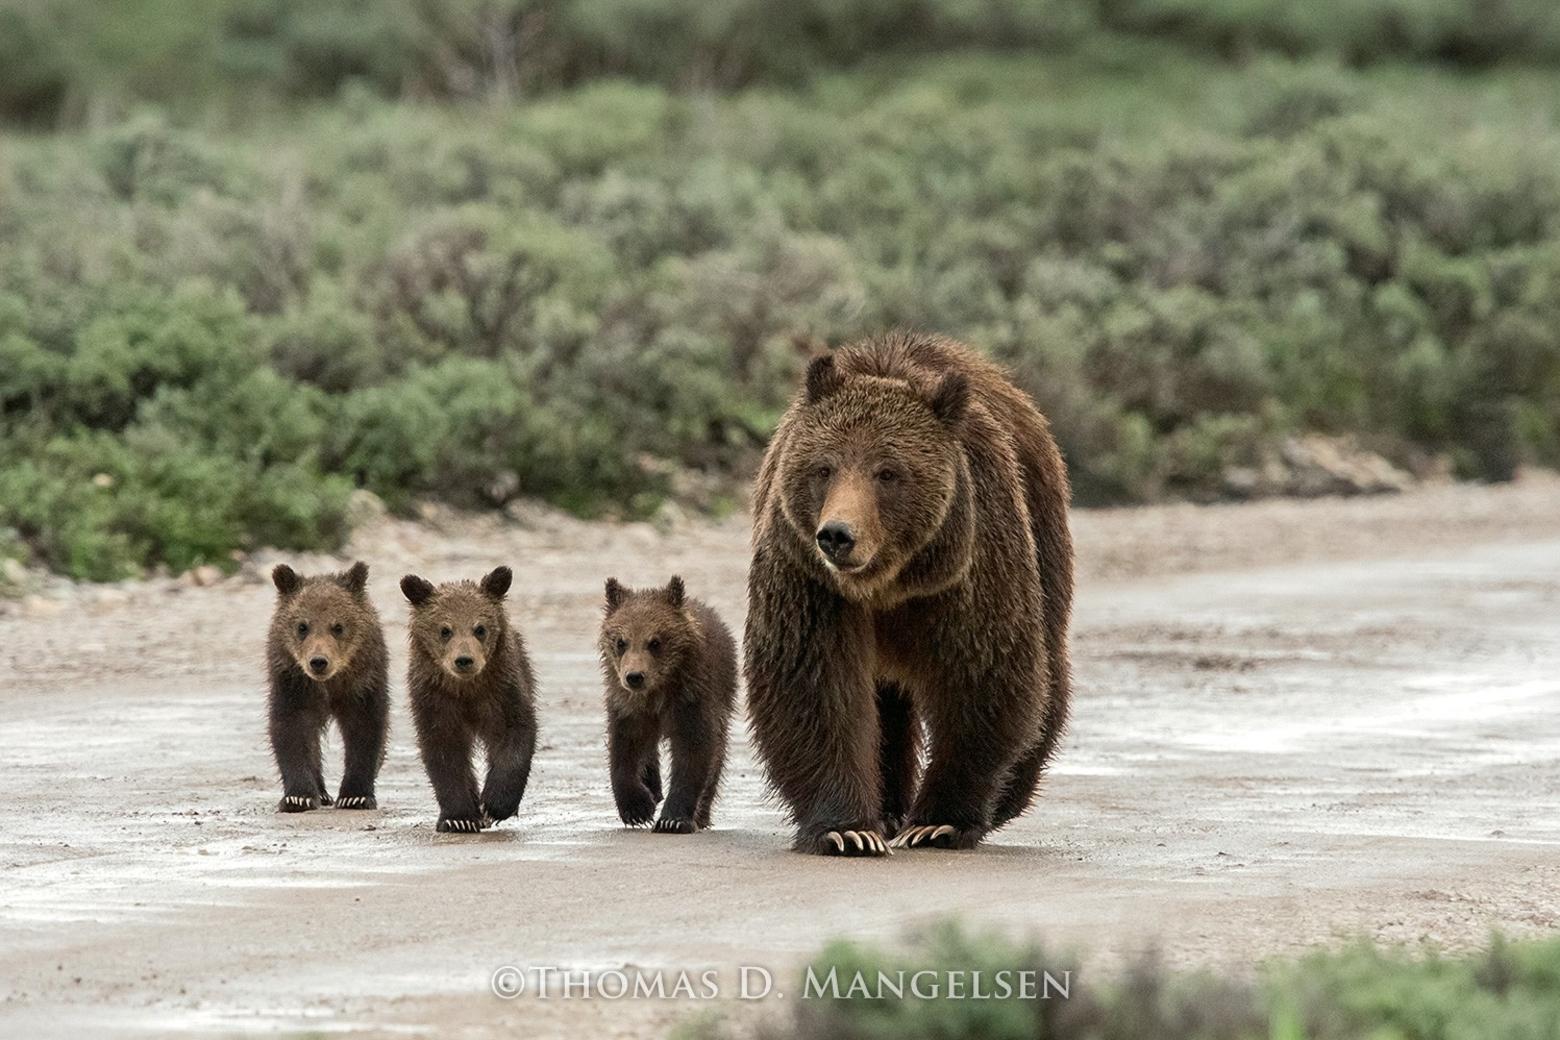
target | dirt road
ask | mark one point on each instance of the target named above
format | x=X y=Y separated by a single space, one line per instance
x=1294 y=722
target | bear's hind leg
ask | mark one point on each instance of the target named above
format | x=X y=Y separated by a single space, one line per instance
x=973 y=751
x=651 y=777
x=899 y=754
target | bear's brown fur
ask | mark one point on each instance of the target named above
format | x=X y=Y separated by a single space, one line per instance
x=326 y=659
x=470 y=680
x=912 y=566
x=670 y=669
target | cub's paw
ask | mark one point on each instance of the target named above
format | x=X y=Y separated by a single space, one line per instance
x=459 y=825
x=492 y=814
x=937 y=836
x=675 y=825
x=325 y=799
x=865 y=842
x=636 y=808
x=357 y=801
x=298 y=803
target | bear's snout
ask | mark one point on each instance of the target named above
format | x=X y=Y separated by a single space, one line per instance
x=635 y=680
x=319 y=665
x=836 y=540
x=464 y=664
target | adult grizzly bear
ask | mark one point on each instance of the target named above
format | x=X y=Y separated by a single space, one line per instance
x=911 y=564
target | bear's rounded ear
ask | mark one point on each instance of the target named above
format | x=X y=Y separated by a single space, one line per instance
x=823 y=378
x=417 y=590
x=355 y=578
x=674 y=592
x=286 y=579
x=496 y=582
x=951 y=398
x=616 y=594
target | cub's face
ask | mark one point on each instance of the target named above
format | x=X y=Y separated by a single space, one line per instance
x=322 y=621
x=645 y=635
x=870 y=473
x=458 y=624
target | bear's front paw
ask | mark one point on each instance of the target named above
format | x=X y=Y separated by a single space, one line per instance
x=298 y=803
x=459 y=825
x=938 y=836
x=675 y=825
x=325 y=799
x=861 y=842
x=357 y=801
x=492 y=812
x=636 y=808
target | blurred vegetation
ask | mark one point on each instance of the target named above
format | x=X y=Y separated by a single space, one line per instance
x=1509 y=991
x=257 y=253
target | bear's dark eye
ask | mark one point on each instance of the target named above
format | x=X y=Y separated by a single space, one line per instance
x=446 y=632
x=654 y=646
x=303 y=628
x=887 y=476
x=622 y=645
x=825 y=472
x=337 y=629
x=480 y=631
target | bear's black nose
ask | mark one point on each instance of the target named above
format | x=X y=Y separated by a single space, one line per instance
x=464 y=663
x=634 y=679
x=317 y=665
x=835 y=539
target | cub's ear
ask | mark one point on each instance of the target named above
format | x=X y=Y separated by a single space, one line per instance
x=616 y=594
x=951 y=398
x=286 y=579
x=417 y=590
x=674 y=592
x=823 y=378
x=355 y=578
x=496 y=582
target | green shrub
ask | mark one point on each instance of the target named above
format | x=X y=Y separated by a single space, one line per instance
x=1511 y=990
x=578 y=296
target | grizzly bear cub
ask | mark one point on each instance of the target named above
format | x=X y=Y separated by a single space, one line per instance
x=912 y=577
x=327 y=660
x=670 y=667
x=470 y=680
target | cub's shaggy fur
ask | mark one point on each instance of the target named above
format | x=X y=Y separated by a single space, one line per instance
x=912 y=569
x=470 y=680
x=326 y=658
x=670 y=667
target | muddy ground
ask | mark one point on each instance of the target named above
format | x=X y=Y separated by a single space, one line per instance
x=1295 y=722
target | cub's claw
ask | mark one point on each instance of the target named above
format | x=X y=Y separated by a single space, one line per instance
x=325 y=799
x=297 y=803
x=854 y=843
x=356 y=801
x=675 y=825
x=936 y=836
x=458 y=825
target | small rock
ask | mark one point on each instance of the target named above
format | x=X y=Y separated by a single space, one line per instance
x=203 y=576
x=365 y=508
x=102 y=480
x=41 y=606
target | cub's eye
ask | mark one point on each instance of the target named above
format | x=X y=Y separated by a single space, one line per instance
x=825 y=472
x=480 y=631
x=303 y=628
x=337 y=629
x=887 y=476
x=446 y=632
x=654 y=646
x=622 y=645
